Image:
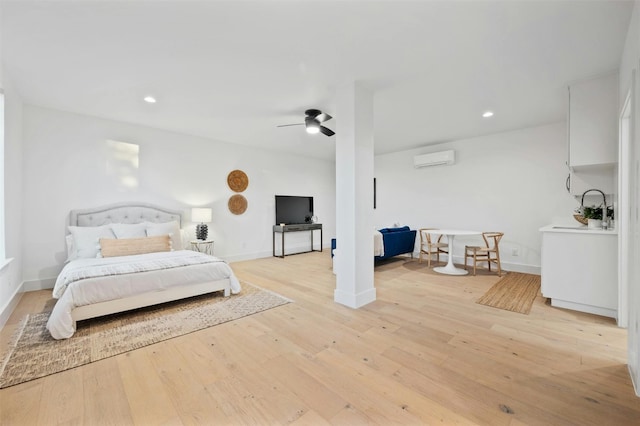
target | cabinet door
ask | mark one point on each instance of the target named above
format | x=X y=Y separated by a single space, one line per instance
x=598 y=178
x=581 y=269
x=593 y=122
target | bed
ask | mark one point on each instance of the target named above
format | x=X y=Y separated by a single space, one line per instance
x=128 y=256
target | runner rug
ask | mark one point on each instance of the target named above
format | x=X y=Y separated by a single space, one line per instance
x=33 y=353
x=514 y=292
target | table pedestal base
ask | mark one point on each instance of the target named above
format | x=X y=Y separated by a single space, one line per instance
x=451 y=233
x=451 y=270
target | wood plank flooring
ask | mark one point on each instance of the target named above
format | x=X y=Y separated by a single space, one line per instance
x=423 y=353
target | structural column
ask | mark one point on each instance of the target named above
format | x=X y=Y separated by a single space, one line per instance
x=354 y=196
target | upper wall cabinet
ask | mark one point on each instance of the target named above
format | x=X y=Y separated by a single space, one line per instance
x=593 y=122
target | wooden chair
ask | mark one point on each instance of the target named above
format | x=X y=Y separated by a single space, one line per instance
x=430 y=248
x=490 y=253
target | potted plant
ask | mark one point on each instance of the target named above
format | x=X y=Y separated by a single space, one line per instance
x=594 y=216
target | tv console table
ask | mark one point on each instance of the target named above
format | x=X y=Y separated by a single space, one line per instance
x=283 y=229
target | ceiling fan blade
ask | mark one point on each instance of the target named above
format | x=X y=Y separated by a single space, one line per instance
x=327 y=131
x=323 y=116
x=287 y=125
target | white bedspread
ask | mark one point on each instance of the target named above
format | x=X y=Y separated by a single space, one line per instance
x=88 y=281
x=378 y=244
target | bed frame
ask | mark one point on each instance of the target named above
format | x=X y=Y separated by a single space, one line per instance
x=137 y=213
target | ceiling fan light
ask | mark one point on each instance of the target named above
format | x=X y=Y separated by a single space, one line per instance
x=312 y=125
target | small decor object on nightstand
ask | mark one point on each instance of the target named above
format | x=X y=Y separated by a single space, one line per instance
x=201 y=215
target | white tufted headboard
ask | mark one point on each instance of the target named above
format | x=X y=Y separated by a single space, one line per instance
x=124 y=213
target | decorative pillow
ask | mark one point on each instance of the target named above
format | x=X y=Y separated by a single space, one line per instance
x=168 y=228
x=110 y=247
x=85 y=240
x=129 y=230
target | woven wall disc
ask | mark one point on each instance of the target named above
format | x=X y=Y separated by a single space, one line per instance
x=238 y=180
x=237 y=204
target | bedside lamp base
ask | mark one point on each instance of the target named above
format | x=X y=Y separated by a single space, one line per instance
x=201 y=231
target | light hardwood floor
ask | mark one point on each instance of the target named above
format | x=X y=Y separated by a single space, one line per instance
x=423 y=353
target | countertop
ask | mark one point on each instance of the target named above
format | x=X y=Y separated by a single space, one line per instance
x=577 y=230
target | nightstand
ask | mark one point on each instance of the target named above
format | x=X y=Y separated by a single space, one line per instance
x=203 y=246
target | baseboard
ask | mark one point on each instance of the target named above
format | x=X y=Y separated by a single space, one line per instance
x=294 y=249
x=636 y=388
x=249 y=256
x=596 y=310
x=8 y=308
x=519 y=267
x=507 y=266
x=354 y=301
x=35 y=285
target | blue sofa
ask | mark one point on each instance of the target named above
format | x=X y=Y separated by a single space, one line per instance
x=396 y=241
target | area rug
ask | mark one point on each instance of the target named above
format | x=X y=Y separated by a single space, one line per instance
x=514 y=292
x=33 y=353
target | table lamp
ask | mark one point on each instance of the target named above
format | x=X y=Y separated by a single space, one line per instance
x=201 y=215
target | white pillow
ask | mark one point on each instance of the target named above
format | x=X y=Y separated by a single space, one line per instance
x=168 y=228
x=183 y=238
x=86 y=240
x=71 y=249
x=129 y=230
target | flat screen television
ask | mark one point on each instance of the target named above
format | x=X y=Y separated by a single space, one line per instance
x=293 y=210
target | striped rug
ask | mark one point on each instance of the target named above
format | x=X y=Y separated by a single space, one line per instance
x=514 y=292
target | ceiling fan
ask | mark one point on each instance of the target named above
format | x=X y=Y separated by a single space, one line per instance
x=312 y=122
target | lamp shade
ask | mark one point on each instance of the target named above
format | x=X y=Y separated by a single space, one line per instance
x=201 y=215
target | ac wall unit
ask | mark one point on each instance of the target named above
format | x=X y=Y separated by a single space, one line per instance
x=434 y=159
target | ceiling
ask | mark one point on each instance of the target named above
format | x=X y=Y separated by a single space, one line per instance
x=232 y=71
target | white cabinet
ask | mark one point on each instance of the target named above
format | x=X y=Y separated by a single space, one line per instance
x=598 y=177
x=579 y=270
x=593 y=122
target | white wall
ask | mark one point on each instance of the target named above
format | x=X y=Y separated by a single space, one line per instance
x=510 y=182
x=11 y=273
x=65 y=167
x=630 y=62
x=631 y=53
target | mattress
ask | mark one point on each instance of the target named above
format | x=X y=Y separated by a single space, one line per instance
x=85 y=282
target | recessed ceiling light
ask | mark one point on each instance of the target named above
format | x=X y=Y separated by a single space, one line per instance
x=150 y=99
x=487 y=114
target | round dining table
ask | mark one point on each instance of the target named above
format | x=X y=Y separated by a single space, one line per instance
x=450 y=268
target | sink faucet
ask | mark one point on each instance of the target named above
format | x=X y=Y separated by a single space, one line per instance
x=604 y=202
